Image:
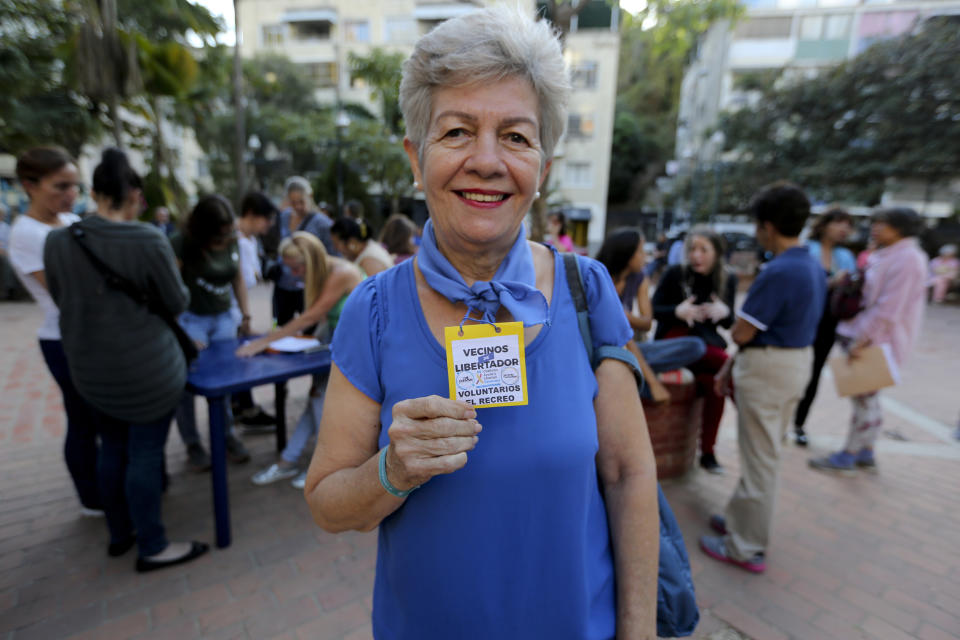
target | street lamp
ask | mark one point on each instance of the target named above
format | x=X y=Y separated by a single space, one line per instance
x=342 y=122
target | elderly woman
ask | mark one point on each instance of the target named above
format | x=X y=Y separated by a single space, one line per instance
x=893 y=305
x=535 y=518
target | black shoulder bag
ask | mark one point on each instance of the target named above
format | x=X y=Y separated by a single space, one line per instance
x=677 y=612
x=118 y=282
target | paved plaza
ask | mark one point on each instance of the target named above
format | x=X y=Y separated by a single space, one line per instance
x=874 y=556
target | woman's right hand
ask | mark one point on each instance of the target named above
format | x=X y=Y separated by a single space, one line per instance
x=428 y=437
x=688 y=311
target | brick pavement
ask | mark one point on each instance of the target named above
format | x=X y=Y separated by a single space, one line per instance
x=868 y=557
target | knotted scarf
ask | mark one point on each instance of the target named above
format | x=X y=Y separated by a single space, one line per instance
x=512 y=285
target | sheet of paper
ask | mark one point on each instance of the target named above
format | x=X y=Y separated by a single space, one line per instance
x=871 y=371
x=293 y=344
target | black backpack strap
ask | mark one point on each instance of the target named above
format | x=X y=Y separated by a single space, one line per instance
x=571 y=265
x=114 y=280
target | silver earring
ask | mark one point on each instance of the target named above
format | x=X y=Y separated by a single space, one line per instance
x=536 y=195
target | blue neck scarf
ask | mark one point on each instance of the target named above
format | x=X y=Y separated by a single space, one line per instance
x=512 y=286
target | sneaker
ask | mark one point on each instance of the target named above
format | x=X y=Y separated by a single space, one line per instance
x=87 y=512
x=716 y=548
x=256 y=417
x=236 y=452
x=300 y=481
x=274 y=473
x=841 y=461
x=865 y=460
x=708 y=462
x=800 y=437
x=719 y=524
x=197 y=458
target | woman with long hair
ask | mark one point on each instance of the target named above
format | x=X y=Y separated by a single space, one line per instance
x=826 y=236
x=209 y=260
x=124 y=358
x=622 y=253
x=693 y=299
x=50 y=177
x=353 y=238
x=557 y=231
x=327 y=283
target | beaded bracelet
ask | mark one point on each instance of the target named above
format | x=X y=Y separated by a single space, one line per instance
x=385 y=482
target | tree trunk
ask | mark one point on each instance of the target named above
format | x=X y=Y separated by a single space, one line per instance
x=240 y=135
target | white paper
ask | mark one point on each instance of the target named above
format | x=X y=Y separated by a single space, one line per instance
x=292 y=344
x=891 y=363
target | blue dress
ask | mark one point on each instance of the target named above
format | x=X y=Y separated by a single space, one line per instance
x=515 y=544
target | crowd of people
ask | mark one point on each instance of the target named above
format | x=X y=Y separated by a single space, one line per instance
x=540 y=515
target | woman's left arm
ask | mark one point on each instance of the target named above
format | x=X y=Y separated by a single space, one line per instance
x=628 y=473
x=643 y=319
x=240 y=291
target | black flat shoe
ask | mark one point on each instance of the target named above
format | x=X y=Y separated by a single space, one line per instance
x=800 y=437
x=708 y=462
x=197 y=549
x=117 y=549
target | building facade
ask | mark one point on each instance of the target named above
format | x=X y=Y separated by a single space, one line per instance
x=320 y=35
x=791 y=37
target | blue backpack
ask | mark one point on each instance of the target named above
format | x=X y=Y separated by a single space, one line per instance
x=677 y=612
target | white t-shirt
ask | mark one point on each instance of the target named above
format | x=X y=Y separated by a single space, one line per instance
x=26 y=255
x=249 y=259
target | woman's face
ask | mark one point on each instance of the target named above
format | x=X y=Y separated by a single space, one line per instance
x=553 y=225
x=298 y=202
x=55 y=192
x=297 y=268
x=349 y=249
x=883 y=234
x=701 y=255
x=638 y=260
x=481 y=163
x=837 y=231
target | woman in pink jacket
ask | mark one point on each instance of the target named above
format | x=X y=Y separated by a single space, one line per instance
x=893 y=303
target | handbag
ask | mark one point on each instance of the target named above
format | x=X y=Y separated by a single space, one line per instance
x=677 y=612
x=119 y=283
x=846 y=296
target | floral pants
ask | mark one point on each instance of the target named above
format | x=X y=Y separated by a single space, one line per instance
x=866 y=422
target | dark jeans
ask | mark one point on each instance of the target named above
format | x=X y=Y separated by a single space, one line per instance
x=80 y=446
x=131 y=480
x=822 y=344
x=286 y=304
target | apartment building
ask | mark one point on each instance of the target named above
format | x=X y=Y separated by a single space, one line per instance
x=786 y=36
x=319 y=35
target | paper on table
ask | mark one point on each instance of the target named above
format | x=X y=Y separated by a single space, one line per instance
x=871 y=371
x=293 y=344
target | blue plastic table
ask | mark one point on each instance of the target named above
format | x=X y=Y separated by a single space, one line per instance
x=215 y=374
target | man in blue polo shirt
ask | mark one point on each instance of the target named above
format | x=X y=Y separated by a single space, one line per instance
x=774 y=330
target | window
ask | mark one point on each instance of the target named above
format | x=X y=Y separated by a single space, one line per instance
x=764 y=28
x=584 y=75
x=321 y=74
x=400 y=30
x=580 y=125
x=811 y=27
x=578 y=175
x=273 y=35
x=311 y=30
x=356 y=31
x=837 y=27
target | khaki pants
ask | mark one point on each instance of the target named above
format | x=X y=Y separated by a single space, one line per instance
x=769 y=383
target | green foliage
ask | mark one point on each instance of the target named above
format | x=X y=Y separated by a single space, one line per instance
x=381 y=70
x=655 y=47
x=892 y=112
x=35 y=107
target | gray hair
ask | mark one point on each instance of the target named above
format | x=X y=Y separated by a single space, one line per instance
x=487 y=46
x=297 y=183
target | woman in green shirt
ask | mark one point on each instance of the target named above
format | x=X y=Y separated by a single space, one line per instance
x=327 y=283
x=209 y=263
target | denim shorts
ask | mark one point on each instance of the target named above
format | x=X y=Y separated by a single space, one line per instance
x=206 y=329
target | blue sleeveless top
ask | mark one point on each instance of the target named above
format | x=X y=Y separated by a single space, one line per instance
x=515 y=544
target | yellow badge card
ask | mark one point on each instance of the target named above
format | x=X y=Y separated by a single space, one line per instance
x=486 y=364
